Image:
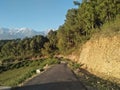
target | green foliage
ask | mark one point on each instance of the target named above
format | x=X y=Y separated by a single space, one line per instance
x=51 y=61
x=91 y=18
x=47 y=50
x=108 y=29
x=78 y=27
x=18 y=72
x=81 y=22
x=22 y=47
x=7 y=60
x=72 y=65
x=50 y=46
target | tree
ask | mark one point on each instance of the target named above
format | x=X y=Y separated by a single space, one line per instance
x=76 y=3
x=52 y=37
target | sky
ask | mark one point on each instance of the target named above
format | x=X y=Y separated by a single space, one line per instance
x=39 y=15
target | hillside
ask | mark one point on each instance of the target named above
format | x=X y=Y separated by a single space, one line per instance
x=101 y=54
x=89 y=36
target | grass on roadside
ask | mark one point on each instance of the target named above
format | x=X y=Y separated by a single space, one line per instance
x=19 y=72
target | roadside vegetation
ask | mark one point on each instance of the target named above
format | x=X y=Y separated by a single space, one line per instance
x=91 y=81
x=14 y=74
x=81 y=24
x=108 y=29
x=20 y=58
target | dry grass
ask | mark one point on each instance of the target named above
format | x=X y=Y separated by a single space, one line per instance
x=108 y=30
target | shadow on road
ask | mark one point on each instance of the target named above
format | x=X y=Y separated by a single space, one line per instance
x=72 y=85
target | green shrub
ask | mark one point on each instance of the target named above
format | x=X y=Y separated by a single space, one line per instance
x=16 y=73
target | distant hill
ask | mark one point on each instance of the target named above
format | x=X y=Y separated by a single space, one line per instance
x=6 y=33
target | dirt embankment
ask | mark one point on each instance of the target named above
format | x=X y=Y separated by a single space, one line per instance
x=101 y=56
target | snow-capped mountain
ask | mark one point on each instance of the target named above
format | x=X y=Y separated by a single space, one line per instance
x=6 y=33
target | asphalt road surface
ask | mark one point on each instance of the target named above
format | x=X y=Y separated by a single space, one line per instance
x=58 y=77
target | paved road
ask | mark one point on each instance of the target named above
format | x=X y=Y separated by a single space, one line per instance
x=58 y=77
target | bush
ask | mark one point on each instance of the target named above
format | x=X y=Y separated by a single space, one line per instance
x=7 y=60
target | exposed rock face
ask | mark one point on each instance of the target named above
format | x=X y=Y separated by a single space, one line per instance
x=102 y=56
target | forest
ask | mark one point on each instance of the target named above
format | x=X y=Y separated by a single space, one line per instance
x=79 y=26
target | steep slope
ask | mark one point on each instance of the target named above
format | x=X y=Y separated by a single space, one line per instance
x=101 y=56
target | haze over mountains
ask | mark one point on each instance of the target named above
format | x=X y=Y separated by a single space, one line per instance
x=6 y=33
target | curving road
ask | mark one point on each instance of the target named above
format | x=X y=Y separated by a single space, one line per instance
x=58 y=77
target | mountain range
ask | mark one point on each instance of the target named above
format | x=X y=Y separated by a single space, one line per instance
x=7 y=34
